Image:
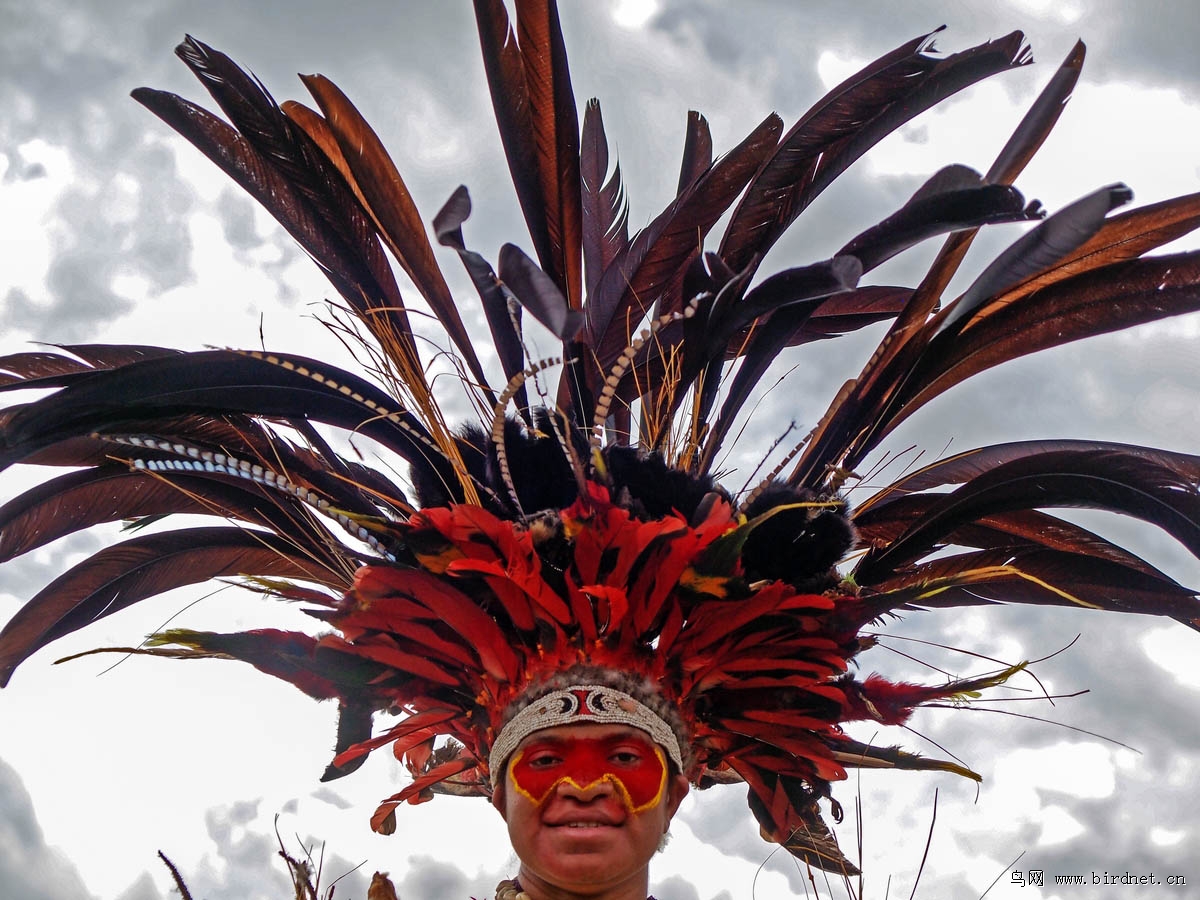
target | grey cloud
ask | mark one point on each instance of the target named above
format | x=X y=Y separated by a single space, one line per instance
x=65 y=71
x=1129 y=693
x=236 y=212
x=22 y=170
x=29 y=869
x=1151 y=43
x=735 y=37
x=722 y=819
x=326 y=794
x=1115 y=842
x=426 y=878
x=1128 y=699
x=1144 y=43
x=104 y=227
x=1126 y=690
x=430 y=878
x=19 y=310
x=246 y=864
x=674 y=888
x=25 y=576
x=80 y=304
x=710 y=816
x=1114 y=835
x=66 y=89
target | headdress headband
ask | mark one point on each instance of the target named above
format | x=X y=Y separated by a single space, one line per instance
x=591 y=704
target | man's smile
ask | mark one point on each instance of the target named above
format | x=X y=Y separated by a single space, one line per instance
x=588 y=820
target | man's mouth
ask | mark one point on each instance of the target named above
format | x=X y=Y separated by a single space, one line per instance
x=592 y=821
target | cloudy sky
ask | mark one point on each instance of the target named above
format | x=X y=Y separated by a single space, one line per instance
x=113 y=230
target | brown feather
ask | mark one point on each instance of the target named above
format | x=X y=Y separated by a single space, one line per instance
x=605 y=208
x=697 y=151
x=530 y=86
x=659 y=254
x=385 y=197
x=369 y=289
x=121 y=575
x=1097 y=302
x=848 y=121
x=555 y=123
x=902 y=345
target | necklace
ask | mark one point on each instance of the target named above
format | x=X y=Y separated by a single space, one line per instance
x=510 y=889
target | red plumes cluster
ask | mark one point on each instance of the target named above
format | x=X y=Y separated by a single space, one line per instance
x=493 y=606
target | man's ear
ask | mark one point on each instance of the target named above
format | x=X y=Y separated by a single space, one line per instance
x=498 y=800
x=676 y=791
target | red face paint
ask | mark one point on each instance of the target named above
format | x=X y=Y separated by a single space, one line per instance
x=636 y=768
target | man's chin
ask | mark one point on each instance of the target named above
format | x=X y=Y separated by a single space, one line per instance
x=579 y=867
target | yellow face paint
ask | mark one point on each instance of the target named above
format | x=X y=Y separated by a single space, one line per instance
x=636 y=768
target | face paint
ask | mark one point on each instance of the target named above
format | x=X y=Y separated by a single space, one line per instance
x=634 y=766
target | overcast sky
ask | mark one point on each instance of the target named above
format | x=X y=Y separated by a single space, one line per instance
x=113 y=230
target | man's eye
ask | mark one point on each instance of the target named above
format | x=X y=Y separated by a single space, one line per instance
x=544 y=761
x=626 y=757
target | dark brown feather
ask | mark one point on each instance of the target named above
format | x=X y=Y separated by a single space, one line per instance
x=504 y=324
x=364 y=288
x=839 y=274
x=697 y=151
x=605 y=208
x=121 y=575
x=43 y=367
x=88 y=497
x=538 y=293
x=386 y=198
x=530 y=87
x=218 y=382
x=847 y=122
x=659 y=254
x=1043 y=577
x=1097 y=302
x=904 y=340
x=1097 y=479
x=555 y=123
x=1036 y=125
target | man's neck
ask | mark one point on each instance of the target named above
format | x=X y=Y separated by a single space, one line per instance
x=636 y=888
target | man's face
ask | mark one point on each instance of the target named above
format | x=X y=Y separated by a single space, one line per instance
x=586 y=805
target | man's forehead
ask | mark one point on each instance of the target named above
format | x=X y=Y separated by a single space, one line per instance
x=561 y=734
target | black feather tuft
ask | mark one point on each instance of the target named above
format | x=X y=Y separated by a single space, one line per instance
x=540 y=471
x=800 y=546
x=646 y=485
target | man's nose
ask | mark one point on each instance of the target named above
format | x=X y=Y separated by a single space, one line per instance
x=600 y=787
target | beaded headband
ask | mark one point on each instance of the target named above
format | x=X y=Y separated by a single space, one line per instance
x=592 y=704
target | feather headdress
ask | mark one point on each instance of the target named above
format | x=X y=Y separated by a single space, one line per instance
x=588 y=527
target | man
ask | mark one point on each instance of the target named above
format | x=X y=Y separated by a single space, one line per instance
x=588 y=803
